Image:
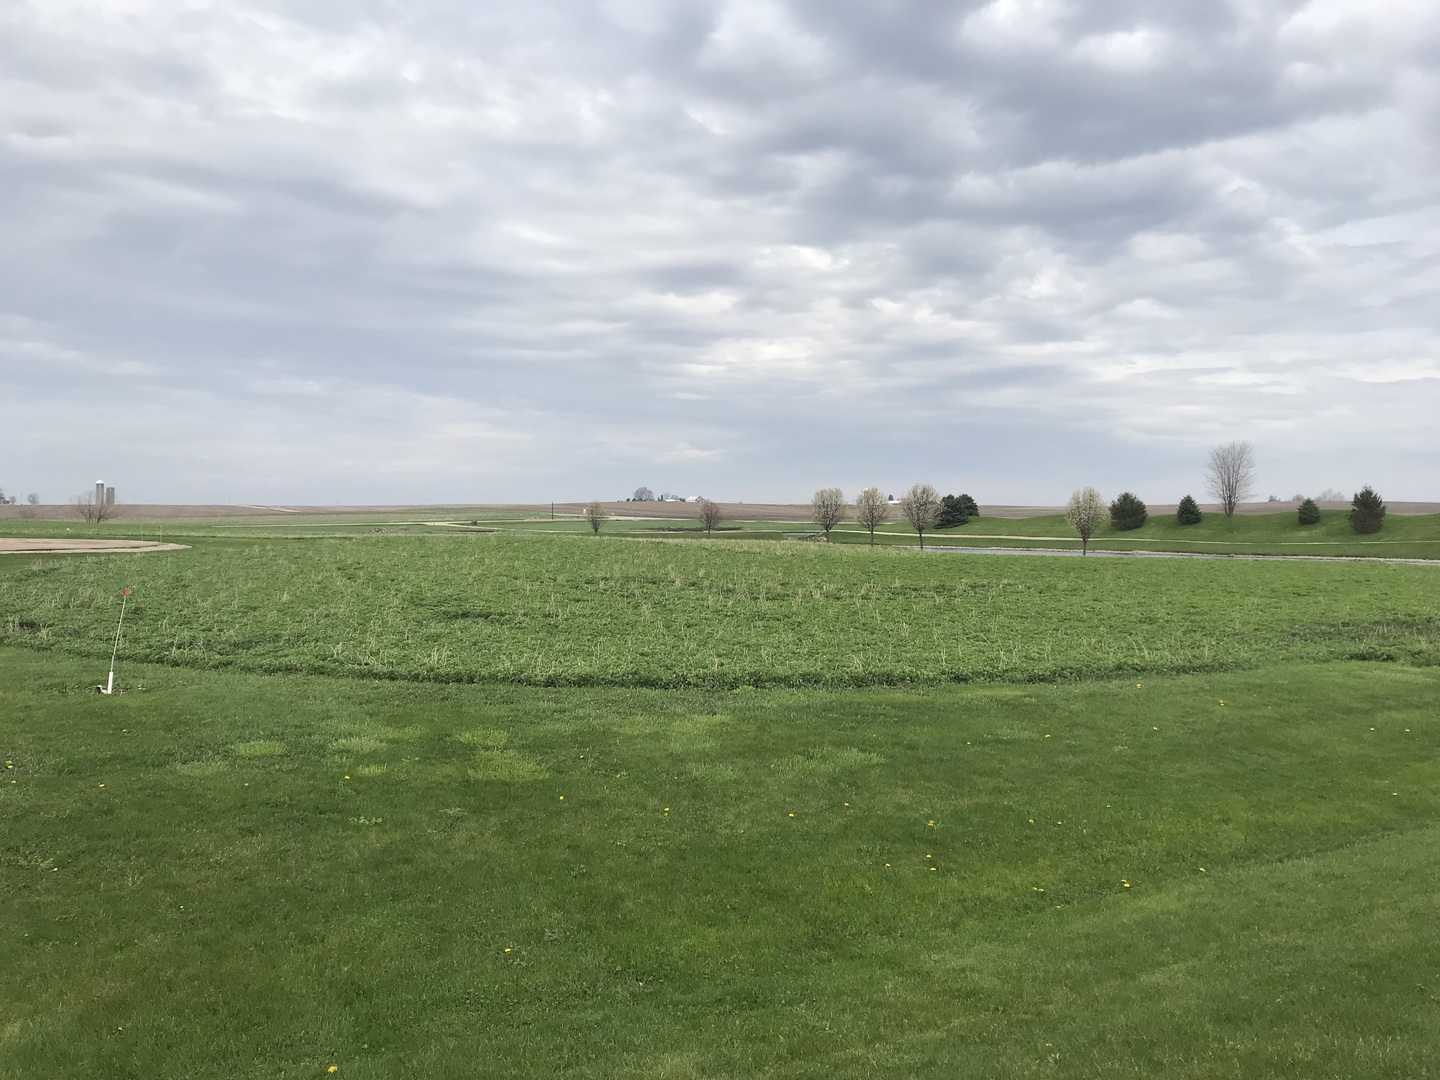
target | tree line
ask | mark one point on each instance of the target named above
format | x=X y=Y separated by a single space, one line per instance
x=1230 y=480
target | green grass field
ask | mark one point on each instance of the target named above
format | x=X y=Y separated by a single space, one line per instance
x=555 y=610
x=1403 y=537
x=262 y=876
x=780 y=810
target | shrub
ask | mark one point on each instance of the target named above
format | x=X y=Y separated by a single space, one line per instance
x=1188 y=512
x=1367 y=511
x=1309 y=512
x=1127 y=512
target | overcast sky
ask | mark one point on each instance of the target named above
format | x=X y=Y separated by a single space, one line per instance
x=318 y=252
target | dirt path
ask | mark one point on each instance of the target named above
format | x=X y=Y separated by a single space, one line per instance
x=34 y=545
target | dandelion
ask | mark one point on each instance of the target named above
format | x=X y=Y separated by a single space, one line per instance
x=102 y=785
x=1124 y=883
x=667 y=809
x=887 y=866
x=1157 y=729
x=929 y=823
x=934 y=868
x=1222 y=701
x=1036 y=888
x=1202 y=870
x=333 y=1068
x=792 y=815
x=1032 y=821
x=1047 y=736
x=847 y=804
x=1137 y=686
x=347 y=777
x=562 y=798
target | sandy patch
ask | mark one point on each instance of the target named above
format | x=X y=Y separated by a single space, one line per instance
x=34 y=545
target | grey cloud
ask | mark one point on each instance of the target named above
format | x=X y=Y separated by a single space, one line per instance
x=698 y=234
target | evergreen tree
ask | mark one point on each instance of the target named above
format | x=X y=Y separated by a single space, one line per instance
x=1367 y=511
x=1188 y=512
x=1127 y=512
x=952 y=511
x=1309 y=512
x=969 y=506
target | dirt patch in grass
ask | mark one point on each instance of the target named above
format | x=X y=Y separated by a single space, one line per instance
x=34 y=545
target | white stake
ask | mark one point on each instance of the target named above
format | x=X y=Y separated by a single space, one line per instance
x=110 y=682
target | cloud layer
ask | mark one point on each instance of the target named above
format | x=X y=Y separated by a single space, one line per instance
x=444 y=251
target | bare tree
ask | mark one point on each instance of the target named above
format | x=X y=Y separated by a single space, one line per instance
x=92 y=509
x=643 y=494
x=710 y=515
x=596 y=515
x=921 y=507
x=33 y=499
x=1230 y=478
x=827 y=507
x=871 y=510
x=1084 y=513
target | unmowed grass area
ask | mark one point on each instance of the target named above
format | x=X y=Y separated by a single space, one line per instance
x=234 y=875
x=1403 y=537
x=587 y=611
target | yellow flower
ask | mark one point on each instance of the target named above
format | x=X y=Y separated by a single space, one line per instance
x=562 y=798
x=930 y=823
x=507 y=950
x=347 y=778
x=1032 y=821
x=887 y=866
x=847 y=804
x=792 y=815
x=333 y=1068
x=1202 y=870
x=934 y=868
x=1047 y=736
x=102 y=785
x=667 y=809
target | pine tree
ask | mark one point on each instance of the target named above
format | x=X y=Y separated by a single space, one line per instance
x=1367 y=511
x=952 y=512
x=1127 y=512
x=969 y=507
x=1188 y=513
x=1309 y=512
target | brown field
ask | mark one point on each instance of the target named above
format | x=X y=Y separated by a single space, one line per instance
x=733 y=511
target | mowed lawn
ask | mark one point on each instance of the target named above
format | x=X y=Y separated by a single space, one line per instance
x=239 y=875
